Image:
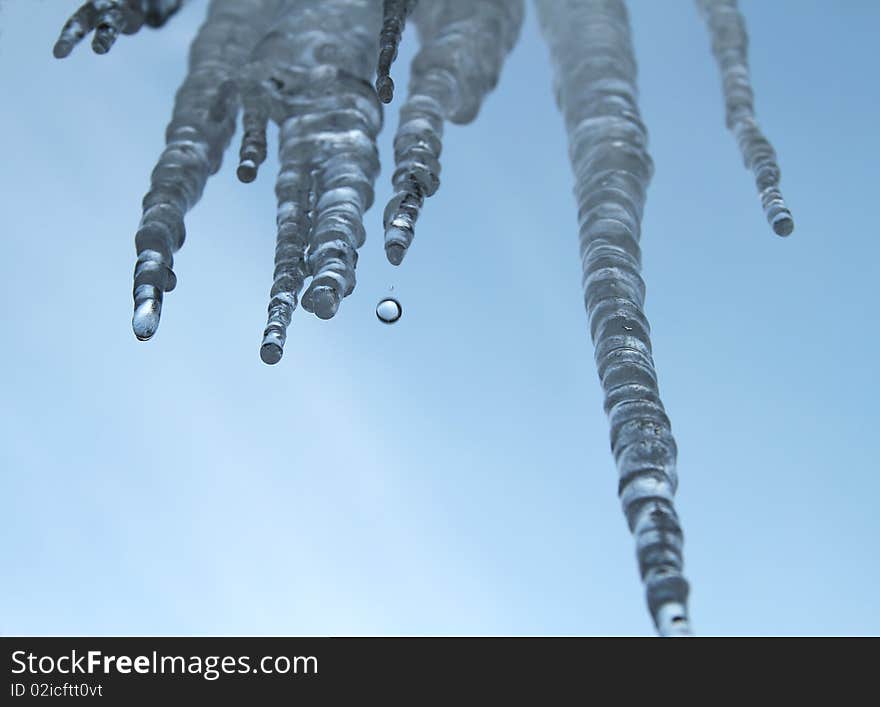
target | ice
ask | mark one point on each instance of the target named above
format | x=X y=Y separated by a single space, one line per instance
x=195 y=141
x=109 y=18
x=730 y=41
x=307 y=65
x=463 y=48
x=311 y=75
x=595 y=81
x=394 y=14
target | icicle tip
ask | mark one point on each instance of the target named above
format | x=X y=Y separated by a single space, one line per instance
x=385 y=89
x=247 y=171
x=395 y=253
x=62 y=49
x=395 y=245
x=783 y=225
x=271 y=351
x=672 y=620
x=321 y=300
x=105 y=37
x=147 y=312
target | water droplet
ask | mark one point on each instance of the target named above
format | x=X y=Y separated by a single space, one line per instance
x=389 y=310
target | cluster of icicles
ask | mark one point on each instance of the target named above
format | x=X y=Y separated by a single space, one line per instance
x=320 y=70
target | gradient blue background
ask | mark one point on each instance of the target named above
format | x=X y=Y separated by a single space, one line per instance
x=450 y=474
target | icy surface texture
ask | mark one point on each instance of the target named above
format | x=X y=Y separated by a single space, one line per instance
x=463 y=47
x=307 y=65
x=595 y=82
x=394 y=14
x=109 y=18
x=730 y=47
x=195 y=141
x=311 y=75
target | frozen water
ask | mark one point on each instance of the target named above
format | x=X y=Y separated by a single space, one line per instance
x=311 y=75
x=109 y=18
x=729 y=45
x=389 y=310
x=595 y=73
x=307 y=66
x=195 y=141
x=394 y=14
x=463 y=47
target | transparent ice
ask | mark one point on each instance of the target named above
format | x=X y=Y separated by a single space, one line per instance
x=321 y=69
x=394 y=14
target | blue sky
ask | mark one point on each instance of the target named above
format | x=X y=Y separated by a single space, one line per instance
x=449 y=474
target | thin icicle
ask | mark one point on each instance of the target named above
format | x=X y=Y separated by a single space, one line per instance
x=109 y=19
x=195 y=141
x=311 y=75
x=394 y=14
x=595 y=71
x=464 y=45
x=730 y=47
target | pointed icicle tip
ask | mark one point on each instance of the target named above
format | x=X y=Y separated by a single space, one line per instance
x=145 y=320
x=672 y=620
x=62 y=49
x=107 y=32
x=385 y=88
x=271 y=352
x=275 y=333
x=247 y=171
x=324 y=301
x=783 y=226
x=395 y=253
x=394 y=14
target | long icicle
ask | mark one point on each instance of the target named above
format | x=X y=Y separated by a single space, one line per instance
x=394 y=14
x=195 y=141
x=464 y=45
x=595 y=72
x=730 y=46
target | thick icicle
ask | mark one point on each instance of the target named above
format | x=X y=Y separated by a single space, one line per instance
x=596 y=91
x=109 y=18
x=464 y=45
x=730 y=47
x=311 y=75
x=195 y=141
x=394 y=14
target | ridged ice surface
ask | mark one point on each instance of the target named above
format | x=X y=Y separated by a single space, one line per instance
x=307 y=66
x=394 y=14
x=463 y=47
x=595 y=74
x=110 y=18
x=195 y=141
x=312 y=76
x=730 y=47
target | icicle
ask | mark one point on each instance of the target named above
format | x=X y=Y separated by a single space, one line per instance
x=311 y=75
x=464 y=45
x=157 y=12
x=394 y=14
x=195 y=141
x=596 y=90
x=110 y=17
x=730 y=46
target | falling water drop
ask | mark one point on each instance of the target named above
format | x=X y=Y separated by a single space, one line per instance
x=389 y=310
